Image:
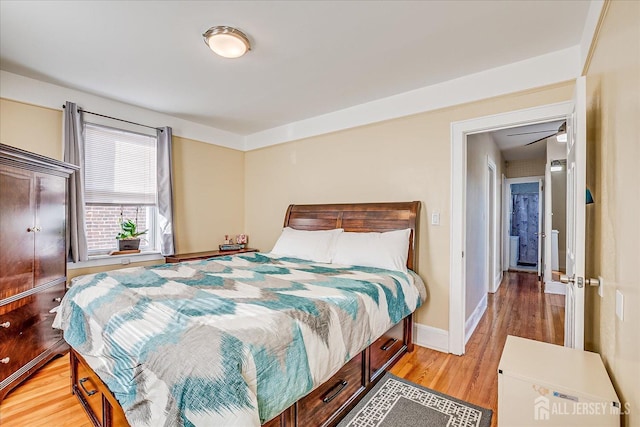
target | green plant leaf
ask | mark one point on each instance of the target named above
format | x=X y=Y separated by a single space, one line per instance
x=129 y=230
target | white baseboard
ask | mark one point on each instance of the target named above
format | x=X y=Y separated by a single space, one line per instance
x=496 y=283
x=474 y=319
x=430 y=337
x=553 y=287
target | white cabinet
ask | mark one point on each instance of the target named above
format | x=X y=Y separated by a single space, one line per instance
x=550 y=385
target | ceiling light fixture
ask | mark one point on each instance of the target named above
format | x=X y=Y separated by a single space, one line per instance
x=227 y=42
x=556 y=165
x=562 y=133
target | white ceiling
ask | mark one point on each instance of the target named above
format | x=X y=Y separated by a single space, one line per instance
x=514 y=142
x=309 y=57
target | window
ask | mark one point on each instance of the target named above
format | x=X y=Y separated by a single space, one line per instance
x=120 y=184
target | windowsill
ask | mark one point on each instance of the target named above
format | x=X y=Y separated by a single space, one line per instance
x=100 y=260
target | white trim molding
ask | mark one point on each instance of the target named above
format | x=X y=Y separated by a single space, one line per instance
x=459 y=132
x=493 y=224
x=430 y=337
x=124 y=260
x=559 y=66
x=553 y=287
x=590 y=32
x=520 y=180
x=472 y=322
x=497 y=281
x=37 y=92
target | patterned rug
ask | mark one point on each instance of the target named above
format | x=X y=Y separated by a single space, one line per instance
x=396 y=402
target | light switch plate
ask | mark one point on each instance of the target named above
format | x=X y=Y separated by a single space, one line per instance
x=620 y=305
x=435 y=218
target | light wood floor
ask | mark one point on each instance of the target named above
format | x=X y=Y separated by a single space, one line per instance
x=518 y=308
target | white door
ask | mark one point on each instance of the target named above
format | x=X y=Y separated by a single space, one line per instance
x=576 y=188
x=541 y=233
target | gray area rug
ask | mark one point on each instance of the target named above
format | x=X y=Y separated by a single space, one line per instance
x=396 y=402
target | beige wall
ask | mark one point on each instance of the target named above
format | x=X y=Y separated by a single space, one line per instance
x=613 y=86
x=208 y=179
x=208 y=194
x=31 y=128
x=402 y=159
x=524 y=168
x=480 y=147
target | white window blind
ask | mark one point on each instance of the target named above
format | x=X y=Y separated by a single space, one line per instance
x=120 y=166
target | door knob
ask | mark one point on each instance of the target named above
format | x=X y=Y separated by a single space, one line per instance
x=592 y=282
x=580 y=281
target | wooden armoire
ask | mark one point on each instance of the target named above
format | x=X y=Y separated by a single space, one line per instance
x=33 y=261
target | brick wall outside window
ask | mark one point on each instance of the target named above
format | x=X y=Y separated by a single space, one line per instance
x=103 y=225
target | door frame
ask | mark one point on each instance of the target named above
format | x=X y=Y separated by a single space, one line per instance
x=459 y=132
x=494 y=258
x=507 y=207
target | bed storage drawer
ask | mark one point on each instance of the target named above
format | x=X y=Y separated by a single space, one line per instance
x=86 y=388
x=319 y=407
x=94 y=396
x=384 y=349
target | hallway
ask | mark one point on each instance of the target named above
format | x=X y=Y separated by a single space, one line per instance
x=519 y=308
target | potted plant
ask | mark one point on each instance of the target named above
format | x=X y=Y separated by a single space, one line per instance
x=129 y=237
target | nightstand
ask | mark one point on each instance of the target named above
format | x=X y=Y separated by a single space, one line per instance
x=205 y=255
x=541 y=384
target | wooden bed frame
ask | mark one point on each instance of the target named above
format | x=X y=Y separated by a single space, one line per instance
x=330 y=402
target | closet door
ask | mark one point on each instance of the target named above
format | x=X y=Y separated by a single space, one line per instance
x=17 y=235
x=50 y=214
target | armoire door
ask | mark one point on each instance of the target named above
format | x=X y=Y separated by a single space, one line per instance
x=50 y=214
x=17 y=220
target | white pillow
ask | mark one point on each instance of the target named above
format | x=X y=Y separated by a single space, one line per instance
x=382 y=250
x=315 y=246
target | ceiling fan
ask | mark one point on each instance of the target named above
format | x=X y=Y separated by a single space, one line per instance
x=561 y=133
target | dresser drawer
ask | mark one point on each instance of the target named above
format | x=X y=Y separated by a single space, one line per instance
x=384 y=349
x=26 y=331
x=30 y=311
x=318 y=407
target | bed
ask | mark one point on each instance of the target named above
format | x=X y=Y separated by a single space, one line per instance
x=290 y=342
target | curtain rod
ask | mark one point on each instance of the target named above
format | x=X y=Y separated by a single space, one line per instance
x=115 y=118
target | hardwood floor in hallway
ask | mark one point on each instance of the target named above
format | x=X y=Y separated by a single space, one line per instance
x=518 y=308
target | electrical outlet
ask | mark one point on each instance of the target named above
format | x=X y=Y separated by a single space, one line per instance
x=620 y=305
x=125 y=261
x=435 y=218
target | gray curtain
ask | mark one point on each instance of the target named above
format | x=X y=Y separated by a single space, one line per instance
x=74 y=154
x=165 y=192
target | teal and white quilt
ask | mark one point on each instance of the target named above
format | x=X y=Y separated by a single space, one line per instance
x=230 y=341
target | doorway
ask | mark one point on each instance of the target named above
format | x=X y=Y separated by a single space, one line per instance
x=458 y=309
x=524 y=217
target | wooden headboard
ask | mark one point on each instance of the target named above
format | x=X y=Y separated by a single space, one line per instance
x=358 y=217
